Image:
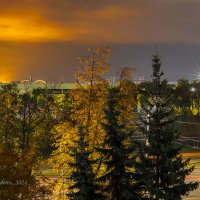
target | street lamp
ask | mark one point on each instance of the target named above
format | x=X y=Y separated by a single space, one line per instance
x=193 y=90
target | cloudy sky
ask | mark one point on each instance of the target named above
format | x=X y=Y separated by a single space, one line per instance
x=44 y=37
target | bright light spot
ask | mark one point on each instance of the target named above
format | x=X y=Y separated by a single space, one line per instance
x=7 y=74
x=4 y=79
x=30 y=29
x=197 y=75
x=193 y=89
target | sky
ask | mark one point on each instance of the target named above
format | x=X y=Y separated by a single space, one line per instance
x=44 y=38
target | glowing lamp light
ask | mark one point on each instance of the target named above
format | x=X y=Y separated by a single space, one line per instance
x=197 y=75
x=193 y=89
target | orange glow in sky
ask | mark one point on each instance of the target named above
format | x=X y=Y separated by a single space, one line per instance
x=28 y=29
x=7 y=74
x=44 y=37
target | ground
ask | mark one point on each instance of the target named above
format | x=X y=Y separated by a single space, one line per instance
x=55 y=175
x=195 y=176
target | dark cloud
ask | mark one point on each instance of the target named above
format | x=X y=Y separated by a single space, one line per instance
x=44 y=37
x=114 y=21
x=58 y=61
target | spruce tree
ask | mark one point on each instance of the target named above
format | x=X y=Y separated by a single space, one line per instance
x=160 y=169
x=117 y=153
x=84 y=185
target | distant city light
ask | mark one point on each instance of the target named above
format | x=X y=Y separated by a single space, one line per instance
x=197 y=75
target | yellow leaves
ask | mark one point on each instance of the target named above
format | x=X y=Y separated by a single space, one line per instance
x=128 y=101
x=7 y=100
x=16 y=173
x=88 y=102
x=93 y=66
x=65 y=136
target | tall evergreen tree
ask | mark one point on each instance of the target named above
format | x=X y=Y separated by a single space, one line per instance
x=117 y=153
x=160 y=167
x=84 y=184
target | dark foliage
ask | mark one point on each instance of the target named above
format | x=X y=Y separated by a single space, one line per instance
x=117 y=153
x=160 y=167
x=84 y=182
